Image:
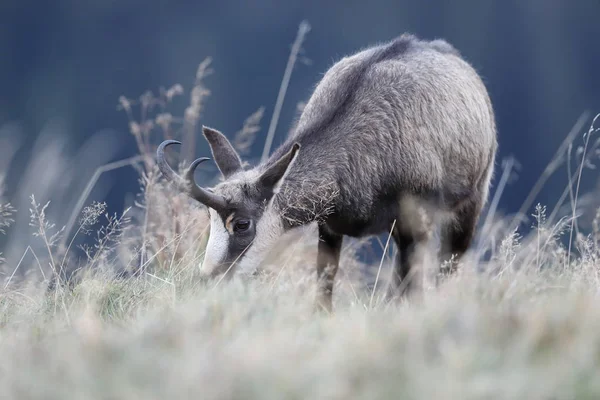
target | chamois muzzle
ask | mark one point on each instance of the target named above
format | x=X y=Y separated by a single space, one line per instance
x=188 y=185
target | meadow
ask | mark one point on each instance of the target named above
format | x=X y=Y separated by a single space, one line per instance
x=104 y=306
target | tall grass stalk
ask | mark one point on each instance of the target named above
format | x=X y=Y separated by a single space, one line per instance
x=303 y=30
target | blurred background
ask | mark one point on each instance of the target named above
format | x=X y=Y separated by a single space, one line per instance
x=65 y=63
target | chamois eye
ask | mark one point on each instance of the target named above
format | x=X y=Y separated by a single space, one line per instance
x=241 y=225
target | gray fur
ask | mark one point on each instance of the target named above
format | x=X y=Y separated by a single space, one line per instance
x=392 y=135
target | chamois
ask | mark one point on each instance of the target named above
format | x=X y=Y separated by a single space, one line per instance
x=393 y=136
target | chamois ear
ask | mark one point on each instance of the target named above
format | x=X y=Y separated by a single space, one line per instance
x=226 y=158
x=272 y=178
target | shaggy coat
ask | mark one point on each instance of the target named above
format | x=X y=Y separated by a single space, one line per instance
x=393 y=136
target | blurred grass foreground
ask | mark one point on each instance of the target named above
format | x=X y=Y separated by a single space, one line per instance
x=96 y=305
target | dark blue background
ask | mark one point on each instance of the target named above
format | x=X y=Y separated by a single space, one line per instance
x=68 y=61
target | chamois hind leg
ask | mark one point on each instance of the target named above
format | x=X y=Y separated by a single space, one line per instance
x=457 y=235
x=328 y=258
x=412 y=233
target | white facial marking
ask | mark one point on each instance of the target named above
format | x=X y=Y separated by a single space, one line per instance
x=228 y=224
x=218 y=241
x=269 y=229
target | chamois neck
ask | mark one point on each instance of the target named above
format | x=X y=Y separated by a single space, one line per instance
x=305 y=198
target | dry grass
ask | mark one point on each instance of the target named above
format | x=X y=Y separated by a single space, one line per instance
x=516 y=334
x=136 y=322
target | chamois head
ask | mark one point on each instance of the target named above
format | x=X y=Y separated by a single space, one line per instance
x=244 y=221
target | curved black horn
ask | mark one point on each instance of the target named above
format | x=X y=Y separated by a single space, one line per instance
x=187 y=185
